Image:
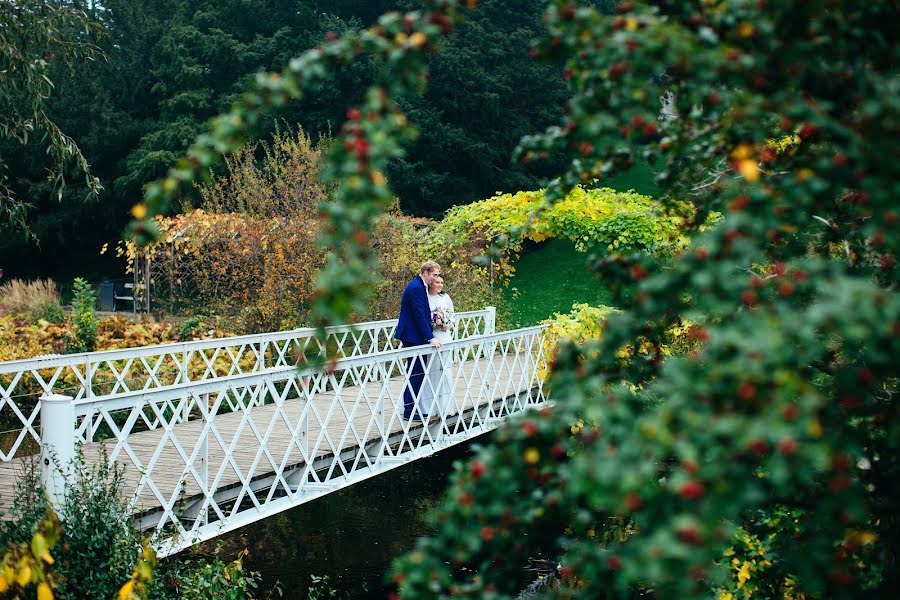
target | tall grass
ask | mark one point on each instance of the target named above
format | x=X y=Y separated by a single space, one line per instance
x=31 y=300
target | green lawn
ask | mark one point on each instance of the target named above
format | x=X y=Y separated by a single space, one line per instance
x=550 y=279
x=554 y=275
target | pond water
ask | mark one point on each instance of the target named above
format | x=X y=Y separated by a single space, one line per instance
x=351 y=535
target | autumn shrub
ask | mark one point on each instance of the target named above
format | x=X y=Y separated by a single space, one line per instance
x=400 y=244
x=270 y=178
x=32 y=300
x=590 y=217
x=249 y=254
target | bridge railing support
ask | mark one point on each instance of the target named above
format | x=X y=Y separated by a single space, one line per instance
x=490 y=320
x=57 y=446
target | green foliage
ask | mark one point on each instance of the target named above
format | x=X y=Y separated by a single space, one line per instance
x=98 y=547
x=484 y=93
x=84 y=319
x=320 y=588
x=788 y=405
x=207 y=579
x=582 y=324
x=37 y=33
x=99 y=541
x=793 y=398
x=27 y=508
x=589 y=217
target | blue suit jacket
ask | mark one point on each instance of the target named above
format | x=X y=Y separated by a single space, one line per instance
x=414 y=324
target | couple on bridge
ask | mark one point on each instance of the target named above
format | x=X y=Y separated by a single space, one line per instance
x=426 y=317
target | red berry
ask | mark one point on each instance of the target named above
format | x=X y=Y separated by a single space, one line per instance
x=487 y=533
x=477 y=470
x=739 y=203
x=758 y=446
x=748 y=297
x=746 y=391
x=689 y=535
x=353 y=114
x=787 y=446
x=786 y=288
x=633 y=502
x=691 y=490
x=528 y=428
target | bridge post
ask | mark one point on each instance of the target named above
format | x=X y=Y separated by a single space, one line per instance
x=57 y=445
x=490 y=320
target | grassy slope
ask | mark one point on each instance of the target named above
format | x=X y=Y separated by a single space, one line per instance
x=553 y=276
x=550 y=279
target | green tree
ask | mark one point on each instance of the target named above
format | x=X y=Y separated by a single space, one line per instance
x=484 y=93
x=33 y=35
x=785 y=423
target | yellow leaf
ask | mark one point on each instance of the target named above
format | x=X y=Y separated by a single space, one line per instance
x=24 y=575
x=749 y=169
x=126 y=592
x=44 y=592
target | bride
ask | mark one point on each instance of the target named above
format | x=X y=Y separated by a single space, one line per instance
x=437 y=399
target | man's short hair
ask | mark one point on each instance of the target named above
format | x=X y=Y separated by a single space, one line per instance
x=429 y=266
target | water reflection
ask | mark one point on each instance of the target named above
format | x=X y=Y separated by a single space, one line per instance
x=351 y=535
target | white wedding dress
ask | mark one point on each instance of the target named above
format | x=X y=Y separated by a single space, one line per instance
x=436 y=399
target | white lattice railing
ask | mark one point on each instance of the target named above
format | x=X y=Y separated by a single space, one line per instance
x=259 y=443
x=105 y=373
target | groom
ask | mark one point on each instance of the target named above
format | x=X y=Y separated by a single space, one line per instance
x=414 y=329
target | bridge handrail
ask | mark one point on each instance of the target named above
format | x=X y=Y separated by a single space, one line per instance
x=80 y=358
x=110 y=372
x=134 y=399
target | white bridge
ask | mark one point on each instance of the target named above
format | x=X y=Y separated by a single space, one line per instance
x=216 y=434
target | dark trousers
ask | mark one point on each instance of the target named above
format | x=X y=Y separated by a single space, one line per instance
x=415 y=366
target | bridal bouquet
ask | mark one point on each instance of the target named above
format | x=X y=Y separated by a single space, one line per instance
x=441 y=320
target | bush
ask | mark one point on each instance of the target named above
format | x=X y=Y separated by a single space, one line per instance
x=249 y=254
x=204 y=578
x=95 y=552
x=582 y=324
x=98 y=547
x=33 y=301
x=84 y=319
